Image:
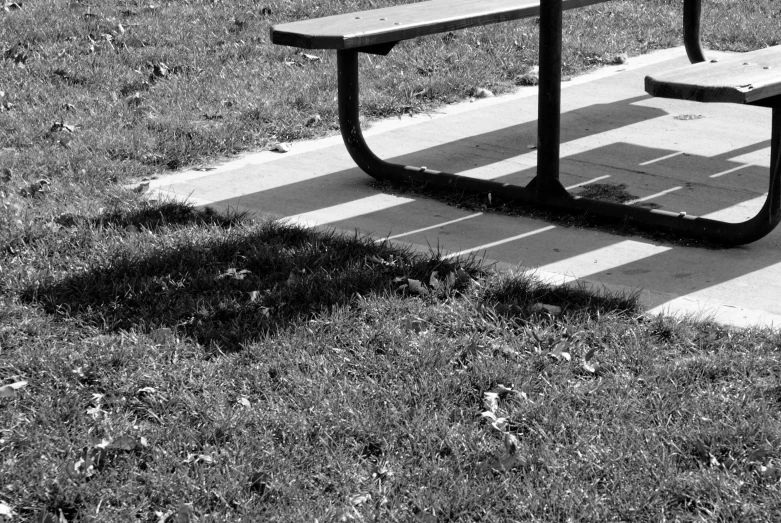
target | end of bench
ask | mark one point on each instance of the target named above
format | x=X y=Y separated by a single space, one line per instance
x=742 y=78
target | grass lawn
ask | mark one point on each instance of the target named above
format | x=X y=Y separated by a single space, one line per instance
x=163 y=364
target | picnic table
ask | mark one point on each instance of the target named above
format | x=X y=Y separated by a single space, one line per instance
x=751 y=78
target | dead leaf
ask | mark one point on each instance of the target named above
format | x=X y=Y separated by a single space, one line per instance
x=591 y=369
x=770 y=472
x=234 y=274
x=553 y=310
x=620 y=59
x=415 y=287
x=450 y=279
x=162 y=517
x=62 y=127
x=159 y=69
x=491 y=401
x=689 y=117
x=123 y=443
x=501 y=390
x=294 y=278
x=359 y=499
x=510 y=443
x=9 y=391
x=16 y=54
x=381 y=471
x=243 y=401
x=6 y=511
x=488 y=415
x=199 y=458
x=560 y=351
x=310 y=57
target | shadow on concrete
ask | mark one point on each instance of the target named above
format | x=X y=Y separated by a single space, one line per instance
x=699 y=194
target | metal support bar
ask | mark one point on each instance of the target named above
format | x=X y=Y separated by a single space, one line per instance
x=683 y=225
x=692 y=9
x=546 y=183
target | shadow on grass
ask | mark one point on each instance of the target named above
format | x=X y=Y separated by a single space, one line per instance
x=226 y=282
x=231 y=283
x=526 y=299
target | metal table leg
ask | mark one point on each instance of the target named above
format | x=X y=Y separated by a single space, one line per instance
x=692 y=10
x=546 y=184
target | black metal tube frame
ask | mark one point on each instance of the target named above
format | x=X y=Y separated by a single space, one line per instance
x=545 y=189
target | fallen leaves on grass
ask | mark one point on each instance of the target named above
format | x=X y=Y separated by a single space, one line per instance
x=689 y=117
x=159 y=70
x=553 y=310
x=620 y=59
x=17 y=54
x=5 y=105
x=416 y=287
x=313 y=120
x=587 y=364
x=499 y=424
x=359 y=499
x=561 y=351
x=482 y=93
x=199 y=458
x=6 y=511
x=9 y=391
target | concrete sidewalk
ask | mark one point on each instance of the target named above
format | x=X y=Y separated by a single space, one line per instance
x=705 y=159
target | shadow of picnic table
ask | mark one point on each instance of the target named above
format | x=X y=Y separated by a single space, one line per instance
x=242 y=280
x=227 y=286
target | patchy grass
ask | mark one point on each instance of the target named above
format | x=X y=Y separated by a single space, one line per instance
x=162 y=364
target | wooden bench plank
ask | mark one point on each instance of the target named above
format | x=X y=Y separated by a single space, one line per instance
x=742 y=78
x=402 y=22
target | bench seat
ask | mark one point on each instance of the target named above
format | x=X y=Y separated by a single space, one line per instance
x=745 y=78
x=388 y=25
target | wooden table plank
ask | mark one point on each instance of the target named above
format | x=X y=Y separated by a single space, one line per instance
x=402 y=22
x=742 y=78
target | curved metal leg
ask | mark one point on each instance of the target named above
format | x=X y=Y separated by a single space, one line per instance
x=677 y=223
x=692 y=10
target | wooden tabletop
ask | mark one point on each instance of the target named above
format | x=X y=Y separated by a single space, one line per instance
x=402 y=22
